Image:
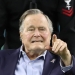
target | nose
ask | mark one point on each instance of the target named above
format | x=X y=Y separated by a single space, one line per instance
x=37 y=33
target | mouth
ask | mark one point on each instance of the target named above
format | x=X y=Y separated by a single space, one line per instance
x=36 y=41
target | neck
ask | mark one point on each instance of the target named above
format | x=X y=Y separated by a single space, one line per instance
x=34 y=54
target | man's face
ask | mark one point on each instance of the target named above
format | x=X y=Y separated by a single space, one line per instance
x=36 y=34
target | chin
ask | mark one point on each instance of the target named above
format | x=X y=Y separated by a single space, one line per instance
x=38 y=48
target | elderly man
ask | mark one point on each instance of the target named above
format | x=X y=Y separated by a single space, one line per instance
x=36 y=56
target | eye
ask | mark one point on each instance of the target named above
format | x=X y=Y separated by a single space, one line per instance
x=31 y=29
x=42 y=29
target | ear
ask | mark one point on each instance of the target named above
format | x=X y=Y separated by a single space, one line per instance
x=50 y=37
x=21 y=36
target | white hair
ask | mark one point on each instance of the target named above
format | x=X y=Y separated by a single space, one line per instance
x=32 y=12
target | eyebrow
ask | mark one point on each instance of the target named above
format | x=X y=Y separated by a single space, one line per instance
x=41 y=27
x=34 y=27
x=31 y=26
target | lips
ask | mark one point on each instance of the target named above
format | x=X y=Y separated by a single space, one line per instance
x=37 y=41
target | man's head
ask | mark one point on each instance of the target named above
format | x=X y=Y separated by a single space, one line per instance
x=35 y=30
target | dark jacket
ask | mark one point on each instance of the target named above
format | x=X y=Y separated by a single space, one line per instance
x=9 y=60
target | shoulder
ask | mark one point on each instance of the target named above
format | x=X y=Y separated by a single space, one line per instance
x=7 y=52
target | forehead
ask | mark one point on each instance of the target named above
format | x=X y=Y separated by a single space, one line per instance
x=35 y=19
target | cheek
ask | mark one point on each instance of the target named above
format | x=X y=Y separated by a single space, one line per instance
x=27 y=37
x=46 y=35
